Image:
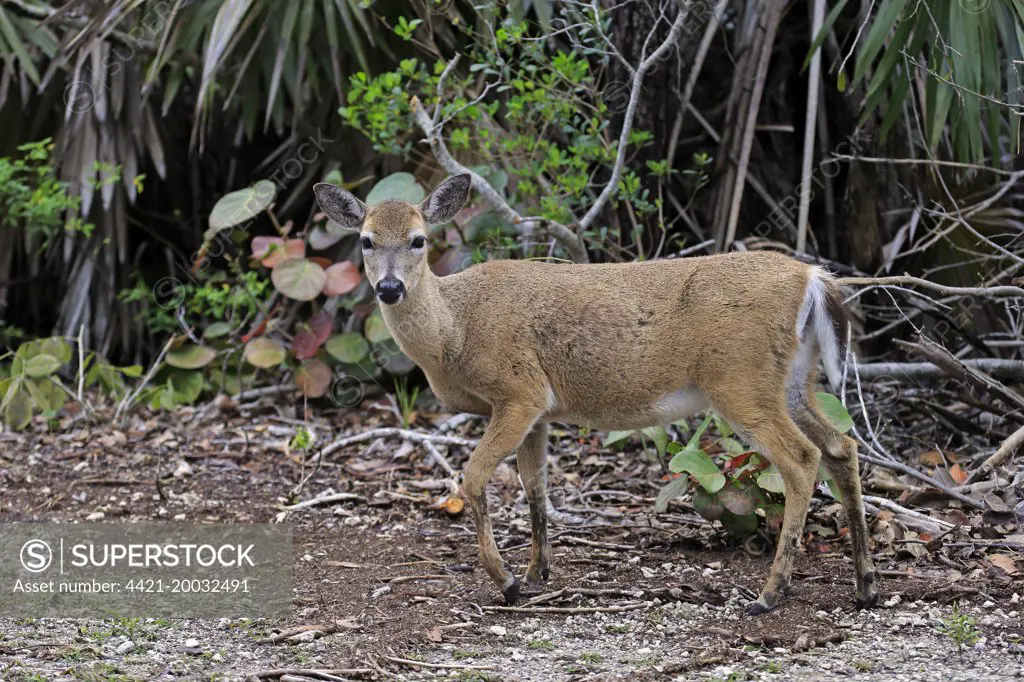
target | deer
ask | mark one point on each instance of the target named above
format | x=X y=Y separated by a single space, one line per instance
x=616 y=346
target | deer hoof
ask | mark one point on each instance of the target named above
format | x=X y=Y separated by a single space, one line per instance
x=511 y=592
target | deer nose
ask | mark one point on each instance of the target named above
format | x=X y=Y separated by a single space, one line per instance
x=390 y=290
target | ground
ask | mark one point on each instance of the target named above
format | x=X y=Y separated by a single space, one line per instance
x=641 y=596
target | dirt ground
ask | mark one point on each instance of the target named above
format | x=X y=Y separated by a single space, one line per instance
x=392 y=586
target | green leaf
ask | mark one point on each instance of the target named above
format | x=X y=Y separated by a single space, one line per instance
x=238 y=207
x=390 y=357
x=47 y=395
x=614 y=437
x=670 y=491
x=833 y=408
x=299 y=278
x=217 y=330
x=826 y=26
x=376 y=329
x=131 y=371
x=400 y=186
x=739 y=526
x=190 y=356
x=696 y=463
x=771 y=480
x=264 y=353
x=186 y=386
x=349 y=347
x=41 y=365
x=18 y=410
x=830 y=482
x=660 y=437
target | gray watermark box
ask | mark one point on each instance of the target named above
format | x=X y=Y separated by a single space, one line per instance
x=145 y=570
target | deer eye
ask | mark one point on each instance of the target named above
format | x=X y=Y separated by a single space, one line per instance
x=419 y=242
x=366 y=242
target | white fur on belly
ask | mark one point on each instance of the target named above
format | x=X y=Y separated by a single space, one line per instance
x=685 y=402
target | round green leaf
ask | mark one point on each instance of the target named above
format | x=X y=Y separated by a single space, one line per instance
x=299 y=278
x=696 y=463
x=739 y=525
x=238 y=207
x=264 y=353
x=390 y=358
x=41 y=365
x=376 y=330
x=833 y=408
x=707 y=505
x=349 y=347
x=190 y=356
x=670 y=491
x=771 y=480
x=18 y=412
x=401 y=186
x=217 y=330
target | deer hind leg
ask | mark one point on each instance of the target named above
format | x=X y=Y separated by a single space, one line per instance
x=504 y=433
x=839 y=454
x=532 y=460
x=770 y=428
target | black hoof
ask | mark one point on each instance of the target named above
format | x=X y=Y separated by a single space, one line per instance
x=756 y=608
x=511 y=592
x=866 y=601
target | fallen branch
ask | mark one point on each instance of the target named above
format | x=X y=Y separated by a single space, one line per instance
x=287 y=634
x=954 y=367
x=443 y=666
x=909 y=513
x=324 y=499
x=1012 y=444
x=317 y=673
x=1010 y=369
x=921 y=476
x=565 y=609
x=393 y=432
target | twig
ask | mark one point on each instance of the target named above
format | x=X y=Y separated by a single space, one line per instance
x=899 y=509
x=1013 y=369
x=438 y=458
x=129 y=398
x=445 y=666
x=330 y=674
x=325 y=499
x=1010 y=445
x=431 y=127
x=956 y=368
x=907 y=280
x=282 y=636
x=627 y=119
x=392 y=432
x=914 y=473
x=565 y=609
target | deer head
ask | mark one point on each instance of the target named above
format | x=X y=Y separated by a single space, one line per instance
x=394 y=233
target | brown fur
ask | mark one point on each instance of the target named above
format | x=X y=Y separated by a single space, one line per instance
x=618 y=346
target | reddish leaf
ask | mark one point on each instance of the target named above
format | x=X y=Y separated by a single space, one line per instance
x=342 y=278
x=957 y=473
x=1004 y=562
x=313 y=378
x=311 y=334
x=321 y=261
x=270 y=251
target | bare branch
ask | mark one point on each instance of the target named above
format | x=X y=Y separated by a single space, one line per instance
x=627 y=120
x=907 y=280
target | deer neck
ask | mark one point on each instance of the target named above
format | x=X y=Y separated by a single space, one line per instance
x=421 y=322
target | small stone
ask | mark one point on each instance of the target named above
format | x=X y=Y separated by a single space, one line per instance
x=125 y=647
x=183 y=469
x=95 y=516
x=498 y=630
x=191 y=642
x=893 y=601
x=988 y=605
x=381 y=591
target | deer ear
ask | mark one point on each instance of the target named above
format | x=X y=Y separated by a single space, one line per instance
x=446 y=200
x=340 y=205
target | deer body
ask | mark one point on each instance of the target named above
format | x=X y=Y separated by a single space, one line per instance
x=617 y=346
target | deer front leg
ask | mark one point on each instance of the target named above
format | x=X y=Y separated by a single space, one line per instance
x=508 y=427
x=532 y=460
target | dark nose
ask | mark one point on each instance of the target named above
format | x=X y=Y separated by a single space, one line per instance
x=390 y=291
